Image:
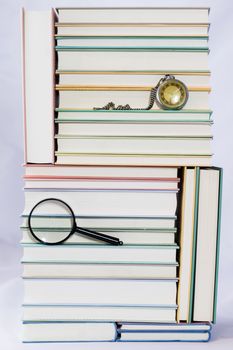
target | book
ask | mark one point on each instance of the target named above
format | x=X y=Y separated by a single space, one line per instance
x=103 y=202
x=130 y=237
x=37 y=269
x=126 y=29
x=165 y=337
x=38 y=95
x=133 y=15
x=132 y=116
x=134 y=145
x=73 y=158
x=163 y=129
x=100 y=292
x=134 y=59
x=100 y=183
x=208 y=230
x=134 y=78
x=156 y=327
x=100 y=253
x=40 y=332
x=115 y=222
x=103 y=171
x=86 y=98
x=132 y=41
x=99 y=313
x=194 y=245
x=187 y=242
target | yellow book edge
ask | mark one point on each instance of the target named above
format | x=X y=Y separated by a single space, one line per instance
x=181 y=243
x=59 y=87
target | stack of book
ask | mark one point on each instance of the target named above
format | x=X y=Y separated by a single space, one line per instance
x=84 y=280
x=142 y=176
x=165 y=332
x=121 y=61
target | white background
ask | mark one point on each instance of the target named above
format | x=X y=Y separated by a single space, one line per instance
x=11 y=153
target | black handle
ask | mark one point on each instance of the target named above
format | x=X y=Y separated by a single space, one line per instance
x=99 y=236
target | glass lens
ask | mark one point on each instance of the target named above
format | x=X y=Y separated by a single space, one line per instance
x=51 y=221
x=172 y=94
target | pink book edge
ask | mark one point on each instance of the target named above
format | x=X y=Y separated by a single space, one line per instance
x=99 y=178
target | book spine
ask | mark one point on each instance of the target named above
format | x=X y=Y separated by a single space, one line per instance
x=218 y=245
x=38 y=98
x=22 y=18
x=193 y=262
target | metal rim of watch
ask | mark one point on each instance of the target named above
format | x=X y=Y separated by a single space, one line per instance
x=158 y=95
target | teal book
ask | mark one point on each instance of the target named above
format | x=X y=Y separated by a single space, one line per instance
x=206 y=252
x=218 y=243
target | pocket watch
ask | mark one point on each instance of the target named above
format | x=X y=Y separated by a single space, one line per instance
x=169 y=93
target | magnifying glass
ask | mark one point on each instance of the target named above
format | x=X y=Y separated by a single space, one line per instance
x=49 y=228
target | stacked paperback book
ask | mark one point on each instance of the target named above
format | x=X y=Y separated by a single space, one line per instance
x=122 y=207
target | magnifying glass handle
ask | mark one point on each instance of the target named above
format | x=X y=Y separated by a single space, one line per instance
x=99 y=236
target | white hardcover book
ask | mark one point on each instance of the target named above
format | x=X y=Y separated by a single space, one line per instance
x=116 y=41
x=133 y=78
x=144 y=160
x=109 y=271
x=115 y=222
x=88 y=99
x=142 y=117
x=159 y=29
x=140 y=237
x=100 y=292
x=186 y=244
x=155 y=129
x=150 y=145
x=156 y=327
x=95 y=171
x=134 y=15
x=165 y=336
x=104 y=202
x=40 y=332
x=101 y=254
x=132 y=60
x=100 y=184
x=156 y=116
x=95 y=313
x=207 y=230
x=38 y=56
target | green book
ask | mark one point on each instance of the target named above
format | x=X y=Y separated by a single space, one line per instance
x=205 y=259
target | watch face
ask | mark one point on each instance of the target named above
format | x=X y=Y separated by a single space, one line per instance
x=172 y=94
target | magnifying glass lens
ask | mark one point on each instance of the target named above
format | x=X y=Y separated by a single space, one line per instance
x=51 y=221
